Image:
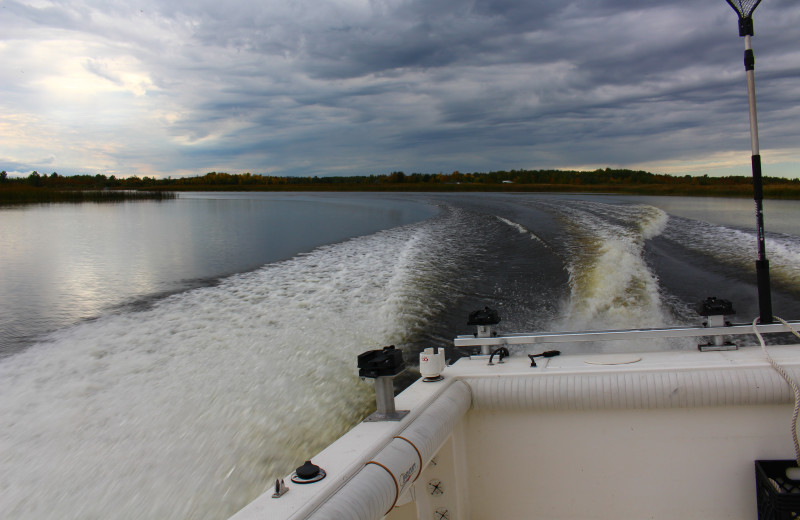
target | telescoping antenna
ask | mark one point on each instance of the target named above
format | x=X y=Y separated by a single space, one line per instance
x=745 y=8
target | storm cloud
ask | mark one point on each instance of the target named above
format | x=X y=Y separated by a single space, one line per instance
x=302 y=87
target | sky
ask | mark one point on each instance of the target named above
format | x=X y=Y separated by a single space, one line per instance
x=356 y=87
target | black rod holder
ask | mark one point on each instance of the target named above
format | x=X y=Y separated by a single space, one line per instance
x=383 y=366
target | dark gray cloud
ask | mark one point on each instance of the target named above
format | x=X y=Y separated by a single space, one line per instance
x=308 y=87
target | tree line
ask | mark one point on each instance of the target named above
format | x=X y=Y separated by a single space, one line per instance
x=212 y=180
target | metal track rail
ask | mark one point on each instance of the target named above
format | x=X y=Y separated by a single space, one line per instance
x=627 y=334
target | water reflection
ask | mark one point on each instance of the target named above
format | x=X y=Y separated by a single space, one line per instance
x=64 y=263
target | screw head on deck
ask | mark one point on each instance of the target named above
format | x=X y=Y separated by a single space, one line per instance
x=441 y=514
x=435 y=487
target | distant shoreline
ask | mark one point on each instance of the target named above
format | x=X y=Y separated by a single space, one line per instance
x=776 y=191
x=21 y=194
x=54 y=187
x=168 y=192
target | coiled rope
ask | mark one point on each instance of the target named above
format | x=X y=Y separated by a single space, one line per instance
x=787 y=378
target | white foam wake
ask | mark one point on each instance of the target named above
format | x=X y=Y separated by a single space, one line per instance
x=612 y=287
x=192 y=408
x=522 y=230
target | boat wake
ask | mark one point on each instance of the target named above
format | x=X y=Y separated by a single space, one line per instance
x=611 y=284
x=523 y=230
x=191 y=407
x=738 y=249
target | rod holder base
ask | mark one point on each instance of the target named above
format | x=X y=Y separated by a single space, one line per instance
x=397 y=415
x=715 y=310
x=384 y=398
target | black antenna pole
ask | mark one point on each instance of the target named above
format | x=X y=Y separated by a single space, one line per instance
x=745 y=8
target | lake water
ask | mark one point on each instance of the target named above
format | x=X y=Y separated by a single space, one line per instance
x=169 y=360
x=63 y=263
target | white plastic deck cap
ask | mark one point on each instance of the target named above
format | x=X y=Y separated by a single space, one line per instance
x=431 y=364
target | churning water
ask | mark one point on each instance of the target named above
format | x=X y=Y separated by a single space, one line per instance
x=189 y=406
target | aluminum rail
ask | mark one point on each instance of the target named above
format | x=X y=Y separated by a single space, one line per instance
x=627 y=334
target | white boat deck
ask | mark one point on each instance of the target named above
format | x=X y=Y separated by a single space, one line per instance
x=671 y=435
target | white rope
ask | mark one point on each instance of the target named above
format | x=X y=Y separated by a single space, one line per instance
x=788 y=379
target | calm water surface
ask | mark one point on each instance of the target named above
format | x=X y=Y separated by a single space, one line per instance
x=62 y=263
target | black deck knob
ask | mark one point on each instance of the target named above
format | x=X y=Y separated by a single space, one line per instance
x=307 y=471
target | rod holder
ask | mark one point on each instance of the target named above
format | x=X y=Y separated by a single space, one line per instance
x=715 y=310
x=486 y=321
x=383 y=366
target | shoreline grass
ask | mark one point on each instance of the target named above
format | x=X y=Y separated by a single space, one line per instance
x=16 y=194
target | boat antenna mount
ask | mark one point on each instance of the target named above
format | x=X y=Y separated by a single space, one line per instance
x=745 y=8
